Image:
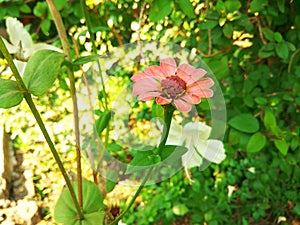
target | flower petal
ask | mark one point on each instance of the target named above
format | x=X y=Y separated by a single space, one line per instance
x=182 y=105
x=155 y=71
x=40 y=46
x=17 y=33
x=138 y=76
x=163 y=101
x=175 y=134
x=168 y=66
x=214 y=151
x=11 y=48
x=192 y=99
x=191 y=159
x=148 y=95
x=189 y=73
x=201 y=88
x=145 y=85
x=197 y=131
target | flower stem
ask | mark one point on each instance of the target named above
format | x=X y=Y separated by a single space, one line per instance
x=40 y=122
x=66 y=48
x=168 y=113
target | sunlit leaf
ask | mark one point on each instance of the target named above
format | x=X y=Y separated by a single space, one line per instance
x=41 y=71
x=10 y=94
x=65 y=211
x=160 y=9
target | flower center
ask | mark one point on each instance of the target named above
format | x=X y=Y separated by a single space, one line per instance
x=173 y=87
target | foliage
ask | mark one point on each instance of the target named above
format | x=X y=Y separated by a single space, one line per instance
x=253 y=49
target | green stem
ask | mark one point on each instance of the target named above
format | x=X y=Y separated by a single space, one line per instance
x=66 y=48
x=168 y=113
x=94 y=48
x=39 y=120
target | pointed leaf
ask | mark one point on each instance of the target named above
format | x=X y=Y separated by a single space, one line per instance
x=187 y=8
x=86 y=59
x=10 y=94
x=159 y=10
x=256 y=143
x=41 y=71
x=282 y=146
x=103 y=121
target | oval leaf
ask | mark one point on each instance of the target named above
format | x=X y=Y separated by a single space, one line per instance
x=10 y=94
x=282 y=146
x=244 y=122
x=41 y=71
x=187 y=8
x=159 y=10
x=103 y=121
x=66 y=213
x=256 y=142
x=282 y=50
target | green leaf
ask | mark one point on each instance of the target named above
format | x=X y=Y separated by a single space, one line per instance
x=40 y=9
x=110 y=176
x=228 y=30
x=46 y=26
x=142 y=160
x=269 y=119
x=65 y=211
x=41 y=71
x=159 y=10
x=187 y=8
x=280 y=4
x=219 y=67
x=282 y=50
x=86 y=59
x=60 y=4
x=244 y=122
x=103 y=121
x=256 y=143
x=25 y=8
x=157 y=111
x=258 y=5
x=232 y=5
x=278 y=37
x=282 y=146
x=180 y=209
x=173 y=153
x=269 y=34
x=267 y=50
x=10 y=94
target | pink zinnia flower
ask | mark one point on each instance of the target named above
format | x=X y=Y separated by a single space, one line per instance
x=180 y=86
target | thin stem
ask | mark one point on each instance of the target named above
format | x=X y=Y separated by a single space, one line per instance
x=168 y=113
x=39 y=120
x=66 y=48
x=134 y=197
x=94 y=48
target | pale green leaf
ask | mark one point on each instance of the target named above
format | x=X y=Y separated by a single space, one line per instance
x=10 y=94
x=41 y=71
